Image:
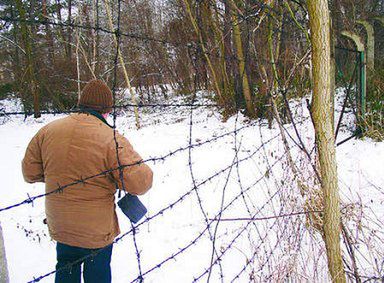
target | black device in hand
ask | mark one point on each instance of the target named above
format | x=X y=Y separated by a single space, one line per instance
x=132 y=207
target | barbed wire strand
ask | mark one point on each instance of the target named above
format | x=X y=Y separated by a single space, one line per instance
x=200 y=235
x=82 y=180
x=170 y=206
x=278 y=191
x=235 y=158
x=123 y=106
x=121 y=173
x=242 y=230
x=199 y=200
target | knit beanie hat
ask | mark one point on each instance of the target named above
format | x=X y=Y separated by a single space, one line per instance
x=97 y=95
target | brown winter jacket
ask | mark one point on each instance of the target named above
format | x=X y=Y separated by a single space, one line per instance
x=74 y=148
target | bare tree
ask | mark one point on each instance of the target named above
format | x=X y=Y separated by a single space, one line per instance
x=29 y=58
x=322 y=119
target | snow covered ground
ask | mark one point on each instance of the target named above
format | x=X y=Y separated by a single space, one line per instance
x=175 y=245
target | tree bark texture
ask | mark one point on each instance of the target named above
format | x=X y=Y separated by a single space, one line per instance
x=322 y=119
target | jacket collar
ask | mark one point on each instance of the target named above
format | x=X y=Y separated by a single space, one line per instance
x=92 y=112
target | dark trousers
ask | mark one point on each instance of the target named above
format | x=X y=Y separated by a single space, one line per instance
x=97 y=267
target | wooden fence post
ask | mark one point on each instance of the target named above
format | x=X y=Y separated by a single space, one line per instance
x=3 y=260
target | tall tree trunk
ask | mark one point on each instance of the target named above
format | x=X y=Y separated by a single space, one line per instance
x=201 y=67
x=322 y=119
x=228 y=42
x=204 y=50
x=30 y=63
x=89 y=33
x=60 y=28
x=16 y=60
x=333 y=72
x=241 y=63
x=32 y=4
x=122 y=63
x=213 y=23
x=49 y=38
x=95 y=38
x=69 y=30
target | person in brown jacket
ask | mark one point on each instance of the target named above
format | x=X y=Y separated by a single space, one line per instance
x=82 y=217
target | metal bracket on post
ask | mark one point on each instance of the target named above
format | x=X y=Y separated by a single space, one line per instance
x=3 y=260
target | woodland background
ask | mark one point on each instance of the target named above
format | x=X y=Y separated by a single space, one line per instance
x=244 y=52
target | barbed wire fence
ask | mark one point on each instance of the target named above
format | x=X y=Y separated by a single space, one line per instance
x=273 y=227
